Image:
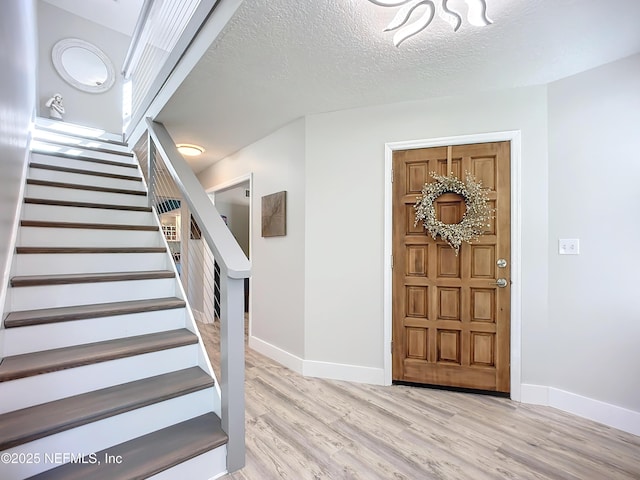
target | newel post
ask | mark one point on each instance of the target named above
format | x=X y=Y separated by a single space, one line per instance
x=232 y=368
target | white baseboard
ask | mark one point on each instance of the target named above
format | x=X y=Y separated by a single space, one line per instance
x=344 y=372
x=276 y=353
x=605 y=413
x=313 y=368
x=534 y=394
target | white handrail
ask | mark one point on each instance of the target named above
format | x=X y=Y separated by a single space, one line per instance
x=232 y=260
x=135 y=38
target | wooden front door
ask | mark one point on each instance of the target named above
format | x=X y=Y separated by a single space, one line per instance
x=451 y=321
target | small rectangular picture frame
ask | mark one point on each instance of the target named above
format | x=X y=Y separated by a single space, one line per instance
x=274 y=215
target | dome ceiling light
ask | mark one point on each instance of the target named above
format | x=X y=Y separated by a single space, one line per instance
x=189 y=150
x=476 y=15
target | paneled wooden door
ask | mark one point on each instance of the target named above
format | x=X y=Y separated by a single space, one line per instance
x=451 y=321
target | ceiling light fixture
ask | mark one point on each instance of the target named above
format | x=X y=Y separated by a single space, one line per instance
x=476 y=15
x=189 y=150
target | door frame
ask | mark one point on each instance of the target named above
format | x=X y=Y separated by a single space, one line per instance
x=513 y=136
x=234 y=182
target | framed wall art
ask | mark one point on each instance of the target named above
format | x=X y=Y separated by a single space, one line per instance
x=274 y=215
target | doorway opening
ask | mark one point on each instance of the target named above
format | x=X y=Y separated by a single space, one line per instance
x=233 y=200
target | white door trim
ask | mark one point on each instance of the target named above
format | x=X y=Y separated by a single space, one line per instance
x=225 y=186
x=514 y=137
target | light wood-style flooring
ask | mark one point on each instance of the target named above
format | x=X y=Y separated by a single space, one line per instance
x=308 y=428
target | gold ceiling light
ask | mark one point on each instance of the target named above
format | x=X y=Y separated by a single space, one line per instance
x=189 y=150
x=476 y=15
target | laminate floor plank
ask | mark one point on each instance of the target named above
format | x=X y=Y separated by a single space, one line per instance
x=444 y=452
x=277 y=453
x=312 y=433
x=310 y=428
x=619 y=457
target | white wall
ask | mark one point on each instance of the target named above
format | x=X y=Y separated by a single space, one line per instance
x=594 y=194
x=345 y=208
x=277 y=279
x=234 y=205
x=101 y=110
x=17 y=107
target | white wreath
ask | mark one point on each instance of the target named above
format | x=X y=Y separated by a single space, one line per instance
x=475 y=220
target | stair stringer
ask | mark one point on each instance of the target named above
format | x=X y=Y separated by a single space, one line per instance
x=5 y=297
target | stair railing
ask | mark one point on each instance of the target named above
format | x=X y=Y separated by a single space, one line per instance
x=222 y=267
x=162 y=34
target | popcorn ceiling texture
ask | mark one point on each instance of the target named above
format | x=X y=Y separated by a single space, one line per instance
x=278 y=60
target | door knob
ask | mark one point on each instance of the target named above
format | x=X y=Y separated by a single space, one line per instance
x=501 y=282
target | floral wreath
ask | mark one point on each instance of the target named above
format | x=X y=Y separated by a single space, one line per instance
x=474 y=221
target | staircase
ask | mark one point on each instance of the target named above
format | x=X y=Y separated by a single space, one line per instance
x=104 y=375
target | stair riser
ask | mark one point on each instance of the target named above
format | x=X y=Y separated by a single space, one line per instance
x=82 y=179
x=50 y=264
x=203 y=467
x=56 y=335
x=51 y=296
x=56 y=213
x=46 y=127
x=74 y=195
x=84 y=164
x=110 y=431
x=82 y=214
x=88 y=154
x=78 y=237
x=30 y=391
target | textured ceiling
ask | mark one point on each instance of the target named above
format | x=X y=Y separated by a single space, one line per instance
x=278 y=60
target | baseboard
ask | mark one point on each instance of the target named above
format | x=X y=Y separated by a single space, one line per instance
x=344 y=372
x=534 y=394
x=276 y=353
x=601 y=412
x=313 y=368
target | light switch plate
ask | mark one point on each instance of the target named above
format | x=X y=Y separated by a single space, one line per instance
x=569 y=246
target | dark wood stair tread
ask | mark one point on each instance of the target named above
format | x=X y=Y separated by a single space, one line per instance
x=61 y=250
x=103 y=206
x=31 y=423
x=36 y=363
x=69 y=278
x=80 y=171
x=88 y=226
x=150 y=454
x=81 y=312
x=76 y=186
